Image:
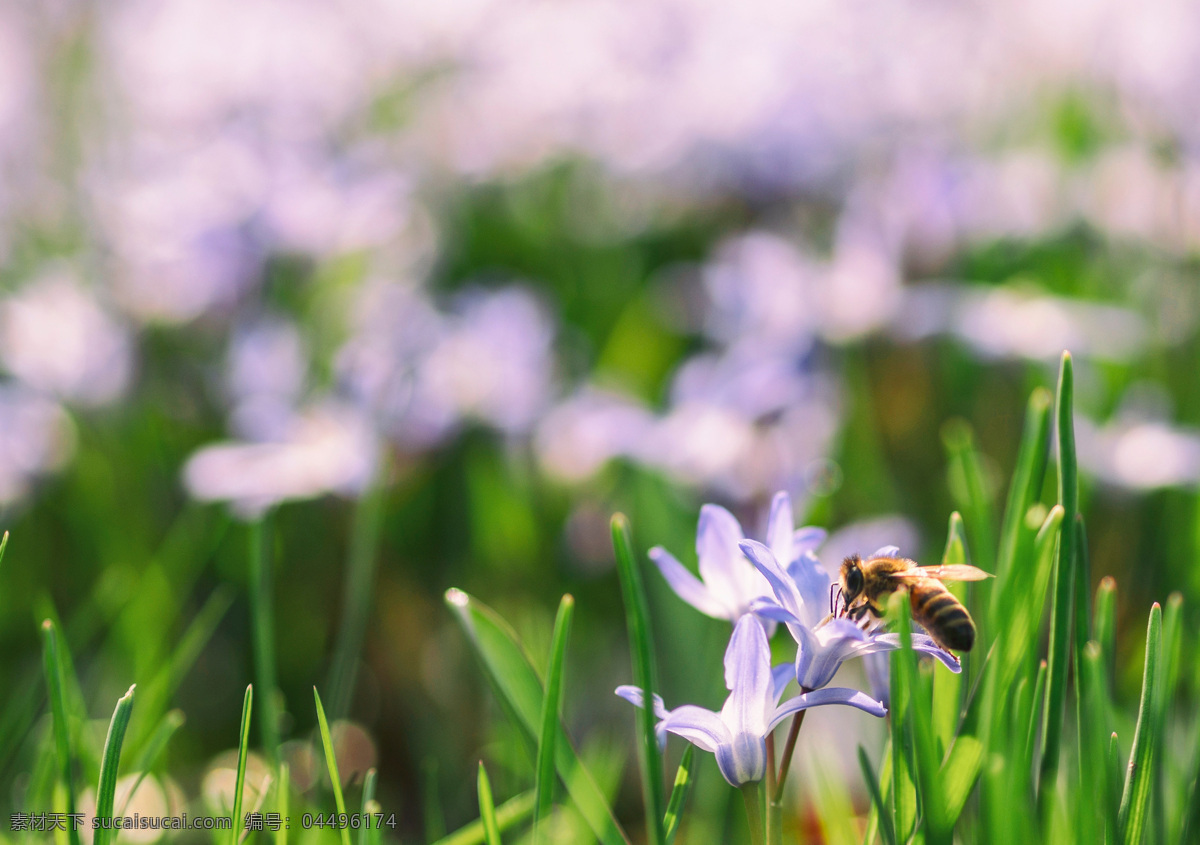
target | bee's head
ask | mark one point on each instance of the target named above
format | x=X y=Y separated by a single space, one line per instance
x=851 y=578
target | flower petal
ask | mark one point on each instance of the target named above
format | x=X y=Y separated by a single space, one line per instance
x=781 y=676
x=807 y=539
x=748 y=677
x=636 y=697
x=717 y=536
x=782 y=585
x=768 y=609
x=780 y=527
x=744 y=759
x=829 y=695
x=812 y=582
x=886 y=551
x=822 y=652
x=922 y=644
x=698 y=726
x=686 y=585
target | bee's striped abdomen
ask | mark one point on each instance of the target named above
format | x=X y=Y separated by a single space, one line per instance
x=942 y=615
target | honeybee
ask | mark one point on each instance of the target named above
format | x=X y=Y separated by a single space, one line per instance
x=865 y=586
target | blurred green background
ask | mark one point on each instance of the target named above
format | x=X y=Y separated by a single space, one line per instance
x=490 y=271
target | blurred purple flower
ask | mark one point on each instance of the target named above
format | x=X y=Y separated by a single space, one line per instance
x=737 y=734
x=825 y=643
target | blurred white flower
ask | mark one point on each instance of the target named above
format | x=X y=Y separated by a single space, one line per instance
x=1139 y=449
x=327 y=448
x=36 y=438
x=1011 y=323
x=56 y=338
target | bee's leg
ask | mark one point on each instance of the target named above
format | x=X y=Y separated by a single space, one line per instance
x=857 y=613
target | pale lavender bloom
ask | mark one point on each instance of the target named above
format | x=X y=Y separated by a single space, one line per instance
x=585 y=431
x=326 y=448
x=58 y=339
x=728 y=583
x=37 y=438
x=422 y=373
x=737 y=734
x=492 y=364
x=1139 y=452
x=1016 y=323
x=802 y=603
x=266 y=372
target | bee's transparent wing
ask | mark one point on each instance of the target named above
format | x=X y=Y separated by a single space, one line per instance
x=950 y=572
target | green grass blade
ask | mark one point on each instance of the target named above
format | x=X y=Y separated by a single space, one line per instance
x=357 y=598
x=1083 y=586
x=919 y=725
x=637 y=617
x=1027 y=479
x=58 y=711
x=1039 y=700
x=512 y=812
x=1140 y=773
x=972 y=491
x=166 y=728
x=372 y=835
x=887 y=825
x=487 y=810
x=519 y=692
x=1064 y=580
x=551 y=708
x=1104 y=625
x=958 y=776
x=243 y=752
x=679 y=793
x=903 y=791
x=368 y=797
x=262 y=617
x=281 y=801
x=1172 y=644
x=948 y=686
x=1025 y=601
x=1093 y=753
x=1112 y=771
x=110 y=764
x=331 y=763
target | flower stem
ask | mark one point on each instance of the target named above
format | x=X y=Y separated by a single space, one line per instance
x=774 y=817
x=750 y=794
x=788 y=748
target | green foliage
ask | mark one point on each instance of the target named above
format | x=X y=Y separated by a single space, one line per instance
x=551 y=714
x=243 y=753
x=684 y=776
x=520 y=694
x=487 y=811
x=335 y=779
x=58 y=709
x=110 y=765
x=637 y=616
x=1140 y=776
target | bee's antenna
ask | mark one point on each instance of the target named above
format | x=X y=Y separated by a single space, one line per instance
x=832 y=604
